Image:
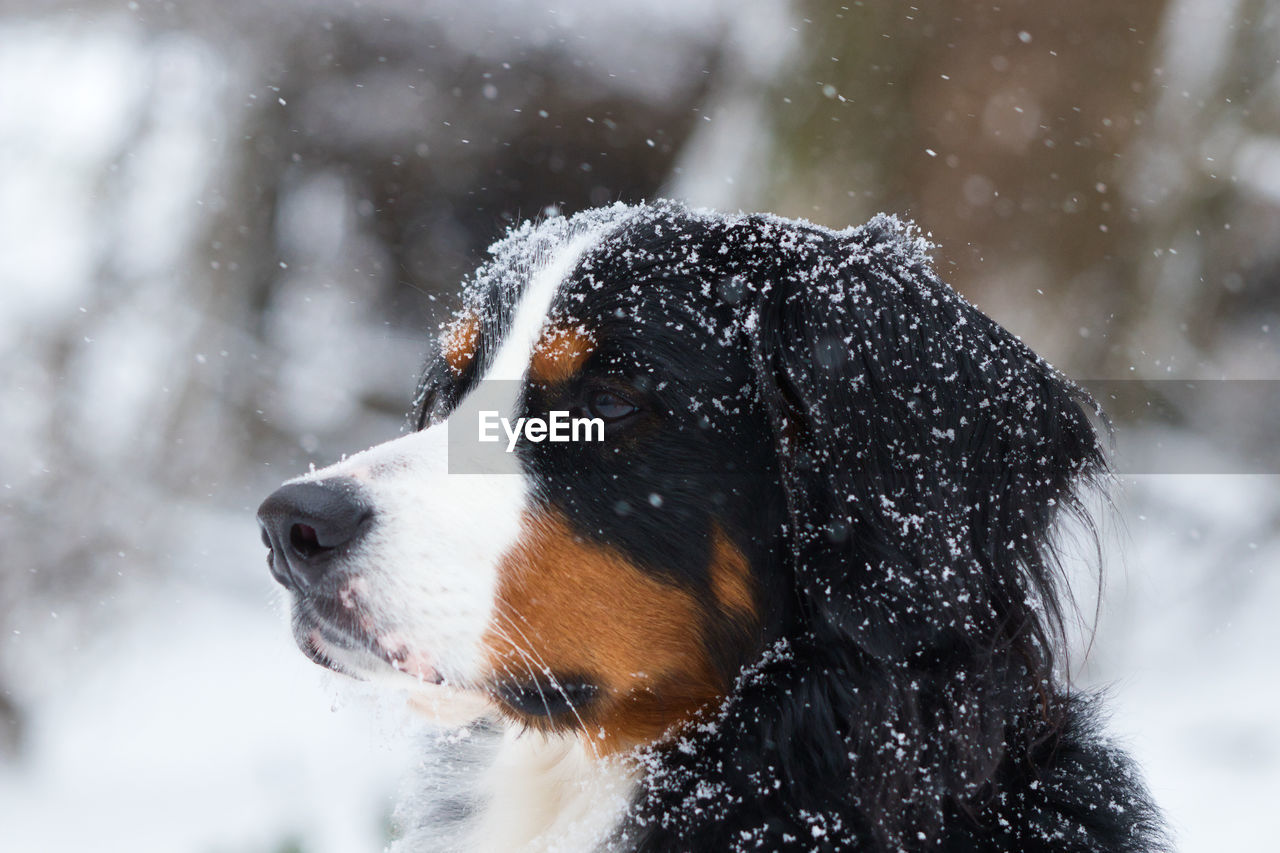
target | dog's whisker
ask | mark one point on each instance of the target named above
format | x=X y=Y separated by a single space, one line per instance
x=529 y=651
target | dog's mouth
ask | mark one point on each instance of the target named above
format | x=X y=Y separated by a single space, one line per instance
x=336 y=633
x=332 y=634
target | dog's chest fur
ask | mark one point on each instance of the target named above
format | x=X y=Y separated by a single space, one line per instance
x=489 y=788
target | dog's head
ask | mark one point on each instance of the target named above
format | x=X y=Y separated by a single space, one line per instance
x=804 y=432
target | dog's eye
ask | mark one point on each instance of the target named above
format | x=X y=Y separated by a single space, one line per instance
x=609 y=405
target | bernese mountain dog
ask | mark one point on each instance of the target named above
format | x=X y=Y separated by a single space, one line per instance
x=802 y=593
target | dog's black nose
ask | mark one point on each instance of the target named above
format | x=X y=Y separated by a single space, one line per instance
x=308 y=525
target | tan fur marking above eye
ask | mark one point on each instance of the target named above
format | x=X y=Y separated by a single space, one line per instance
x=561 y=353
x=459 y=341
x=730 y=576
x=577 y=608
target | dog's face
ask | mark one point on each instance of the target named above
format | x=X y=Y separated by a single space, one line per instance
x=610 y=586
x=807 y=436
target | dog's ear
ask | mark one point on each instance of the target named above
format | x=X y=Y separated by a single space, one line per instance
x=925 y=450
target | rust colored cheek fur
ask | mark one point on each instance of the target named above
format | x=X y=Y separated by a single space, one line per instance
x=583 y=610
x=731 y=581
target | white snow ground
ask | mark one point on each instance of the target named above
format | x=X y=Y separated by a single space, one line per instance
x=1186 y=646
x=194 y=724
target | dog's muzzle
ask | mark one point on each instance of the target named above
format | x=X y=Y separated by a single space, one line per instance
x=310 y=527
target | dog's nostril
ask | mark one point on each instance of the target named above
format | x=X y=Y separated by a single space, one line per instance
x=304 y=540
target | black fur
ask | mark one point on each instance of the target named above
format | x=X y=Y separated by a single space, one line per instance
x=893 y=464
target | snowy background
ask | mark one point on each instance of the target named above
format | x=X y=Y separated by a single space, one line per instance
x=225 y=226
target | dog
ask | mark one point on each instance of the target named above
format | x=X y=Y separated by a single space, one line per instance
x=803 y=594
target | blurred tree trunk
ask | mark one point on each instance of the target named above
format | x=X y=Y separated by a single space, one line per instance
x=1001 y=129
